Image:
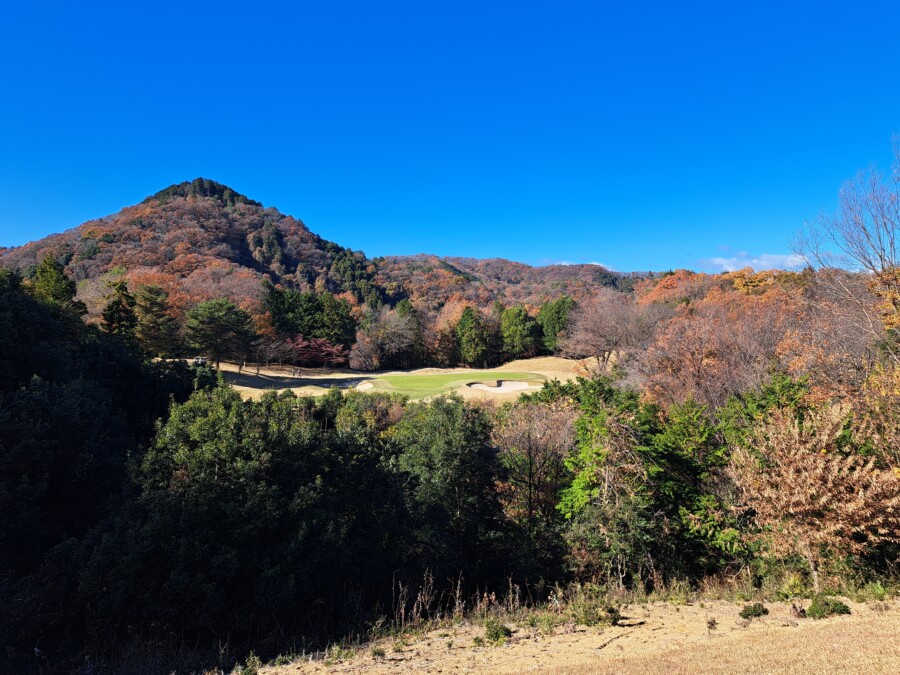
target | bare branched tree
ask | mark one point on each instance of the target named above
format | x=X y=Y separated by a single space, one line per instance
x=857 y=250
x=534 y=440
x=386 y=335
x=610 y=325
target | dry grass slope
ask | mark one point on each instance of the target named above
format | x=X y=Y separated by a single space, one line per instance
x=654 y=638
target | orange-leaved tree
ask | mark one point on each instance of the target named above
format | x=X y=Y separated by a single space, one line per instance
x=809 y=496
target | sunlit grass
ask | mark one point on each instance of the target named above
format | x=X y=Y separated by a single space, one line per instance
x=421 y=386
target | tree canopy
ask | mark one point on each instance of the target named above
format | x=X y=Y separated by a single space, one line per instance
x=220 y=329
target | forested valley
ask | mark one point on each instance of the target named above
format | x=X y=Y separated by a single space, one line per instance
x=738 y=429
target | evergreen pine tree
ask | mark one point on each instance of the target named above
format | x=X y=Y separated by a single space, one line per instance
x=220 y=329
x=521 y=333
x=119 y=317
x=157 y=329
x=472 y=338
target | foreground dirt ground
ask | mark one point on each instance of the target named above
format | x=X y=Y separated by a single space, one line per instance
x=658 y=638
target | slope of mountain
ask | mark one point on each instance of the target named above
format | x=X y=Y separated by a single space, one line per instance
x=435 y=281
x=201 y=239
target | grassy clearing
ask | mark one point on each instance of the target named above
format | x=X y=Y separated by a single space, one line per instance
x=421 y=386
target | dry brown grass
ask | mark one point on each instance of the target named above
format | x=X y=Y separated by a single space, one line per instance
x=864 y=644
x=653 y=638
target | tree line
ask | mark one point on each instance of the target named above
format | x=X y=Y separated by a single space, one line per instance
x=314 y=328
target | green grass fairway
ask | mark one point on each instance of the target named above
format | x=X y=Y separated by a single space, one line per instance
x=422 y=386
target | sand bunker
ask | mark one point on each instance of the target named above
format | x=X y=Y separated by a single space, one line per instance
x=364 y=386
x=502 y=387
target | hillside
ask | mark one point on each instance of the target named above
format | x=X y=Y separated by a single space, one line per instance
x=434 y=280
x=652 y=637
x=201 y=240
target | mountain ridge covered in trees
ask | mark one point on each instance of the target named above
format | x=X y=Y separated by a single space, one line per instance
x=201 y=240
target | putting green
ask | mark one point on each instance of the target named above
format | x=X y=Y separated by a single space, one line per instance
x=422 y=386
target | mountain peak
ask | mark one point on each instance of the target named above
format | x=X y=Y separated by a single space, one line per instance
x=202 y=187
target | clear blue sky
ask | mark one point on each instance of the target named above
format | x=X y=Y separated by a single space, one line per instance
x=643 y=136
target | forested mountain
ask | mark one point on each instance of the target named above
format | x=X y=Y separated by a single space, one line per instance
x=435 y=281
x=198 y=241
x=201 y=240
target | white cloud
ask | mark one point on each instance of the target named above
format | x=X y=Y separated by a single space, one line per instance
x=569 y=262
x=765 y=261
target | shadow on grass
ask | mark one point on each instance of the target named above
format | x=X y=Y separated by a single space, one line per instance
x=253 y=381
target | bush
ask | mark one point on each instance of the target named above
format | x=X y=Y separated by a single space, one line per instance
x=822 y=607
x=251 y=665
x=875 y=590
x=593 y=615
x=496 y=632
x=754 y=611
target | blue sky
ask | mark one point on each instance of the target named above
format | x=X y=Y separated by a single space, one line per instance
x=646 y=136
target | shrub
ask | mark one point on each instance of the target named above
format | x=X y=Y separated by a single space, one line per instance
x=496 y=632
x=251 y=665
x=791 y=587
x=592 y=615
x=754 y=611
x=547 y=622
x=337 y=653
x=875 y=590
x=284 y=659
x=822 y=607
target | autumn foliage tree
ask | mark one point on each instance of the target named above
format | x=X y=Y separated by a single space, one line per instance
x=387 y=340
x=809 y=496
x=876 y=420
x=724 y=344
x=609 y=325
x=317 y=351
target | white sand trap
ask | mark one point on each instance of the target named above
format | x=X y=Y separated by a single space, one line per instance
x=363 y=386
x=502 y=387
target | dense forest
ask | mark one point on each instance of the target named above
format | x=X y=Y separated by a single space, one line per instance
x=732 y=428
